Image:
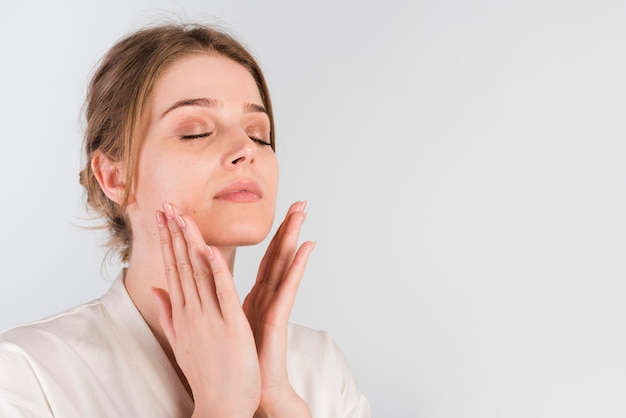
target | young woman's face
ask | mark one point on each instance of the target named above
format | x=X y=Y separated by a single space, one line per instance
x=206 y=150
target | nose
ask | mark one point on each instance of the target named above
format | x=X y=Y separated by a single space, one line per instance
x=241 y=150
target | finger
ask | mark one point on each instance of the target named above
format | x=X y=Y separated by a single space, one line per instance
x=225 y=289
x=283 y=245
x=264 y=266
x=169 y=261
x=175 y=224
x=286 y=295
x=164 y=308
x=284 y=251
x=201 y=266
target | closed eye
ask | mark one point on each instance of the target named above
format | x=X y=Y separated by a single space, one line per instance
x=260 y=141
x=196 y=136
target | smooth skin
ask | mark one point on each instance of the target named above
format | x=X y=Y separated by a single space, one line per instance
x=203 y=308
x=204 y=129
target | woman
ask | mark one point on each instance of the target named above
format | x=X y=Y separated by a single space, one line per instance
x=181 y=166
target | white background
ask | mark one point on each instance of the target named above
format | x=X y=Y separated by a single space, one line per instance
x=464 y=167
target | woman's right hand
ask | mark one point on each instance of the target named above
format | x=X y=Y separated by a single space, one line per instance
x=202 y=319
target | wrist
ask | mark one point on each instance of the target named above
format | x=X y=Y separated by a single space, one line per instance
x=206 y=411
x=289 y=407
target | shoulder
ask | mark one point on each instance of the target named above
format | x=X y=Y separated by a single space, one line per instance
x=43 y=349
x=97 y=359
x=36 y=356
x=308 y=338
x=71 y=326
x=315 y=347
x=80 y=329
x=310 y=349
x=320 y=374
x=91 y=337
x=314 y=354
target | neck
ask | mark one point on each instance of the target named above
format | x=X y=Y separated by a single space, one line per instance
x=145 y=271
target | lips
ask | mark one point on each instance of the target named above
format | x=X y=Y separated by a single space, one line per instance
x=241 y=191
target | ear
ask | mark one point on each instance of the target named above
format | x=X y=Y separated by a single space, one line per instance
x=110 y=175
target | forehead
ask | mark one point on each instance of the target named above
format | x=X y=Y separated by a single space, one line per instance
x=204 y=76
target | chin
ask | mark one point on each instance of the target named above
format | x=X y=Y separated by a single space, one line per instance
x=238 y=235
x=235 y=241
x=235 y=225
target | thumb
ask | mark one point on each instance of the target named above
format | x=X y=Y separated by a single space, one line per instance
x=164 y=307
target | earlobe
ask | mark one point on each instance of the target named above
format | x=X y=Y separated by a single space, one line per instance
x=110 y=175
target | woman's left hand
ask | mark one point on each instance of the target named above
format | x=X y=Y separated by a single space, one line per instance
x=268 y=306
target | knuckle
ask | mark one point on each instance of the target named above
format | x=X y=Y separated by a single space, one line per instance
x=200 y=275
x=170 y=270
x=184 y=266
x=164 y=238
x=175 y=232
x=193 y=245
x=223 y=295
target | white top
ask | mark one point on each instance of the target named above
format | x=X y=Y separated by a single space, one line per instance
x=100 y=359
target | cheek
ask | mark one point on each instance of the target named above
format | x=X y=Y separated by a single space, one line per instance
x=272 y=176
x=155 y=182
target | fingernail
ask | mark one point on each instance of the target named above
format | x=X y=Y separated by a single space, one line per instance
x=160 y=216
x=169 y=211
x=209 y=251
x=180 y=221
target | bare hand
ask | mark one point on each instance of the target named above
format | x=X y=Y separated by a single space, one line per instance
x=204 y=323
x=268 y=307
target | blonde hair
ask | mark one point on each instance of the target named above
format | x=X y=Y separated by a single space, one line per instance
x=117 y=96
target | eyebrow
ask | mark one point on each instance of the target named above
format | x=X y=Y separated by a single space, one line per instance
x=254 y=108
x=213 y=104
